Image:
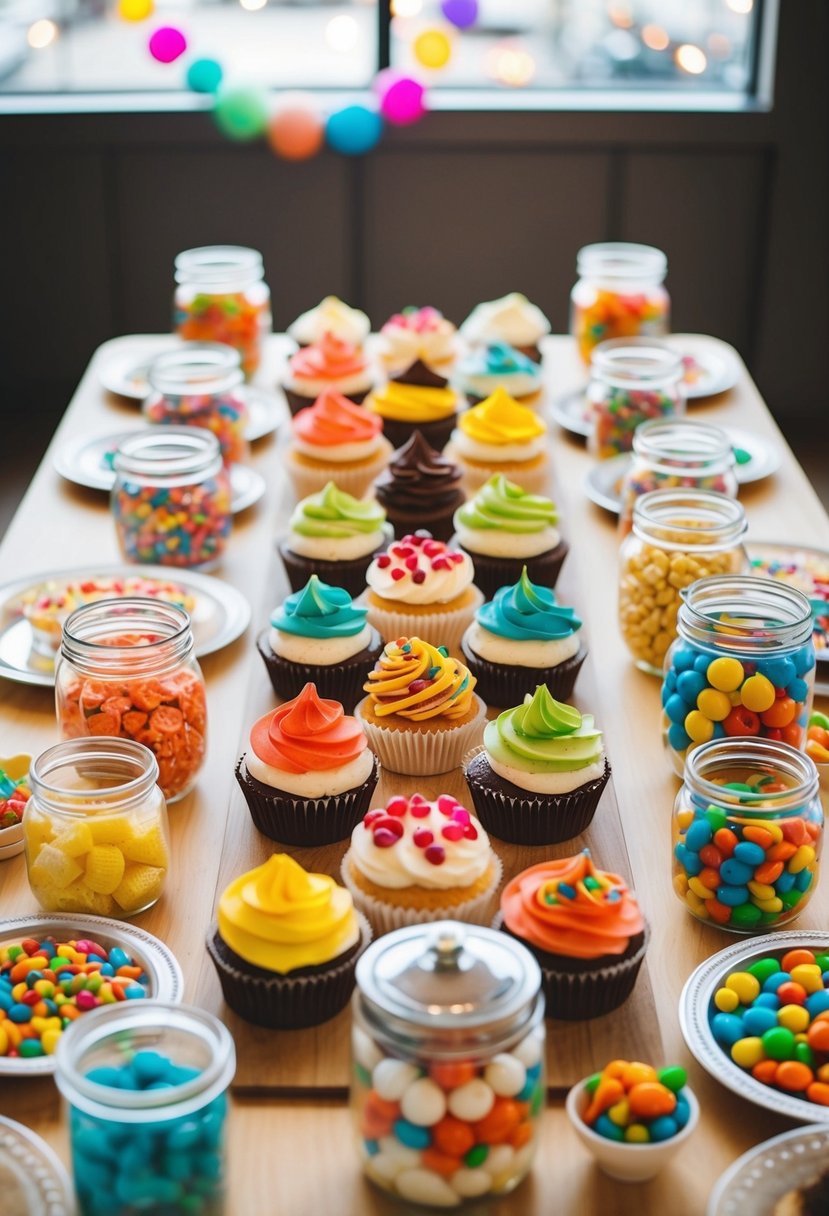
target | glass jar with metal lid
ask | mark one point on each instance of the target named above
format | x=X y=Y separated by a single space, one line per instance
x=620 y=293
x=448 y=1080
x=632 y=380
x=221 y=296
x=199 y=384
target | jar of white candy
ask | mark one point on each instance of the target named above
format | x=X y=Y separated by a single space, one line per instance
x=448 y=1082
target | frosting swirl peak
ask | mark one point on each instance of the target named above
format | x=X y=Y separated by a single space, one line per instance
x=419 y=681
x=417 y=476
x=543 y=735
x=333 y=513
x=501 y=420
x=320 y=611
x=307 y=735
x=413 y=402
x=503 y=506
x=330 y=358
x=333 y=419
x=526 y=612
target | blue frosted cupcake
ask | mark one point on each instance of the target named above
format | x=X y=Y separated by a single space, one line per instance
x=486 y=367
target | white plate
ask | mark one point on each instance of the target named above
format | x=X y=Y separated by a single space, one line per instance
x=220 y=615
x=695 y=1004
x=798 y=554
x=761 y=1177
x=36 y=1171
x=166 y=982
x=568 y=412
x=716 y=366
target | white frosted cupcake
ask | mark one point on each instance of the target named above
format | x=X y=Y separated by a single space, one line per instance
x=331 y=316
x=418 y=334
x=511 y=319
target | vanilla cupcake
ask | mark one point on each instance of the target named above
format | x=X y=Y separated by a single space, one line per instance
x=334 y=535
x=417 y=399
x=336 y=440
x=331 y=316
x=418 y=334
x=498 y=365
x=330 y=364
x=511 y=319
x=501 y=436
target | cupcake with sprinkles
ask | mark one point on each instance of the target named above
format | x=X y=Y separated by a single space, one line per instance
x=329 y=364
x=501 y=436
x=418 y=333
x=486 y=368
x=420 y=486
x=335 y=536
x=336 y=440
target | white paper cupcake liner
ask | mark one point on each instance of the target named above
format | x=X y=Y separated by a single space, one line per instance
x=440 y=627
x=423 y=753
x=354 y=481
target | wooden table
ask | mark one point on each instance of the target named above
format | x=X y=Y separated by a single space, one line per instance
x=294 y=1154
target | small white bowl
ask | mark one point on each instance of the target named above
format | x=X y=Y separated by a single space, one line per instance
x=11 y=841
x=627 y=1162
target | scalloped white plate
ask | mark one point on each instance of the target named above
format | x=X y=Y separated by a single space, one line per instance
x=761 y=1177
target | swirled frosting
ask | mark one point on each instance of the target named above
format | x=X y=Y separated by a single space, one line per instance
x=544 y=746
x=570 y=907
x=546 y=633
x=487 y=367
x=420 y=570
x=511 y=319
x=414 y=842
x=335 y=429
x=331 y=316
x=417 y=333
x=419 y=479
x=502 y=520
x=332 y=525
x=419 y=681
x=319 y=624
x=413 y=402
x=281 y=918
x=328 y=363
x=501 y=421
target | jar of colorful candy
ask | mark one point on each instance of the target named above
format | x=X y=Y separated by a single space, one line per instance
x=145 y=1083
x=677 y=537
x=199 y=385
x=677 y=454
x=96 y=828
x=171 y=498
x=448 y=1079
x=620 y=293
x=747 y=833
x=632 y=380
x=743 y=664
x=221 y=297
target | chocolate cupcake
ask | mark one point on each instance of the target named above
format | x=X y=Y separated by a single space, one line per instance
x=511 y=319
x=420 y=488
x=330 y=364
x=419 y=398
x=334 y=536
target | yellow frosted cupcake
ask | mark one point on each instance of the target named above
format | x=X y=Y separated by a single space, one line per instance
x=501 y=436
x=418 y=399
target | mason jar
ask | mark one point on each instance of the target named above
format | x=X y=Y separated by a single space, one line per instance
x=199 y=384
x=743 y=664
x=632 y=381
x=677 y=537
x=676 y=455
x=128 y=668
x=747 y=832
x=171 y=500
x=145 y=1085
x=95 y=828
x=448 y=1079
x=620 y=293
x=221 y=296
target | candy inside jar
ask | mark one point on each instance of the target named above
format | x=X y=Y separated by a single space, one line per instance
x=221 y=297
x=199 y=384
x=632 y=381
x=620 y=293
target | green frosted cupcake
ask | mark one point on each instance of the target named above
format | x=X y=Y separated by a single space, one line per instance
x=335 y=536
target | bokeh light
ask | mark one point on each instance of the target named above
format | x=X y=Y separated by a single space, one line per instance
x=691 y=59
x=41 y=34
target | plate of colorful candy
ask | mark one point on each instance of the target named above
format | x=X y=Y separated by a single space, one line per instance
x=756 y=1016
x=711 y=365
x=787 y=1165
x=807 y=569
x=59 y=961
x=14 y=794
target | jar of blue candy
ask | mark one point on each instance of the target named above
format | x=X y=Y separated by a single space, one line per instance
x=743 y=665
x=146 y=1088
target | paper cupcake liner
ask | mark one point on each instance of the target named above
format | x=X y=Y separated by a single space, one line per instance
x=297 y=402
x=440 y=627
x=435 y=433
x=341 y=682
x=522 y=817
x=530 y=476
x=352 y=480
x=492 y=573
x=504 y=686
x=350 y=574
x=441 y=524
x=385 y=916
x=423 y=753
x=307 y=821
x=285 y=1002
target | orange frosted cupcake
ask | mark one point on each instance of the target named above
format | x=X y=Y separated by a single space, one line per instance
x=330 y=364
x=336 y=440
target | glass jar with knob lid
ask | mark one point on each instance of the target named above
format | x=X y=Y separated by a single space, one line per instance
x=221 y=296
x=200 y=384
x=632 y=381
x=620 y=293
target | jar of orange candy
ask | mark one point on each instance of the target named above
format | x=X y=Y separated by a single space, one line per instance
x=221 y=297
x=620 y=293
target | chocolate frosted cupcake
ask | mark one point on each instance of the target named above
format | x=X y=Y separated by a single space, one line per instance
x=511 y=319
x=308 y=775
x=329 y=364
x=334 y=536
x=540 y=774
x=320 y=635
x=486 y=368
x=418 y=333
x=584 y=927
x=420 y=488
x=501 y=436
x=330 y=316
x=286 y=945
x=419 y=398
x=505 y=529
x=521 y=638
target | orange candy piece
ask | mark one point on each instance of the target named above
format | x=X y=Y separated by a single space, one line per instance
x=780 y=714
x=717 y=911
x=636 y=1072
x=817 y=1036
x=441 y=1163
x=522 y=1135
x=451 y=1074
x=499 y=1124
x=726 y=841
x=615 y=1068
x=650 y=1099
x=378 y=1116
x=765 y=1071
x=794 y=1076
x=768 y=873
x=796 y=958
x=781 y=852
x=710 y=878
x=794 y=831
x=606 y=1094
x=758 y=836
x=452 y=1136
x=818 y=1092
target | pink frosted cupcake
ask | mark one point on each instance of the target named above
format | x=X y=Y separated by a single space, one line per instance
x=418 y=334
x=336 y=440
x=330 y=364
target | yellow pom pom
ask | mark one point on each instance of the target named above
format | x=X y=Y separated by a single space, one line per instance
x=140 y=887
x=104 y=868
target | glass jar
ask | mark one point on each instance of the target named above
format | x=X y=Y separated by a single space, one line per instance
x=747 y=832
x=632 y=380
x=96 y=828
x=743 y=665
x=146 y=1085
x=620 y=293
x=127 y=668
x=678 y=536
x=199 y=385
x=677 y=454
x=448 y=1082
x=171 y=499
x=221 y=297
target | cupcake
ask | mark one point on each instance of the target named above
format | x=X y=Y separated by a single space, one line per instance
x=420 y=487
x=486 y=368
x=336 y=440
x=308 y=775
x=505 y=529
x=319 y=635
x=286 y=944
x=501 y=436
x=334 y=535
x=417 y=399
x=541 y=771
x=511 y=319
x=331 y=316
x=421 y=714
x=418 y=333
x=584 y=927
x=520 y=639
x=420 y=586
x=416 y=860
x=329 y=364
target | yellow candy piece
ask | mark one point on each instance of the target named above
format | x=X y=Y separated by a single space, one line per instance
x=768 y=905
x=726 y=1000
x=762 y=890
x=698 y=727
x=74 y=840
x=49 y=1041
x=724 y=674
x=794 y=1017
x=681 y=884
x=745 y=985
x=809 y=976
x=699 y=889
x=4 y=1040
x=637 y=1133
x=715 y=705
x=620 y=1113
x=748 y=1052
x=696 y=904
x=104 y=868
x=140 y=886
x=148 y=847
x=52 y=869
x=111 y=829
x=804 y=857
x=684 y=820
x=757 y=694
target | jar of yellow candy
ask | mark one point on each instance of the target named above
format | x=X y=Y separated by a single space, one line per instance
x=678 y=536
x=620 y=293
x=95 y=828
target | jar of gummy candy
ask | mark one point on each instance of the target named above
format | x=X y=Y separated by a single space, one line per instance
x=145 y=1084
x=171 y=500
x=747 y=833
x=448 y=1081
x=743 y=664
x=221 y=297
x=677 y=537
x=620 y=293
x=632 y=381
x=127 y=668
x=677 y=454
x=198 y=384
x=95 y=828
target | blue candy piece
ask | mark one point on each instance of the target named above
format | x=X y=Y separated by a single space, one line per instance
x=732 y=897
x=690 y=684
x=817 y=1003
x=605 y=1126
x=106 y=969
x=699 y=834
x=798 y=689
x=149 y=1066
x=371 y=1147
x=678 y=737
x=6 y=999
x=780 y=671
x=688 y=860
x=758 y=1020
x=726 y=1028
x=411 y=1135
x=209 y=1165
x=114 y=1078
x=785 y=883
x=663 y=1128
x=804 y=880
x=669 y=680
x=683 y=659
x=719 y=731
x=804 y=660
x=19 y=1013
x=119 y=958
x=666 y=693
x=49 y=949
x=682 y=1110
x=766 y=1000
x=134 y=992
x=677 y=709
x=702 y=662
x=774 y=981
x=735 y=873
x=750 y=854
